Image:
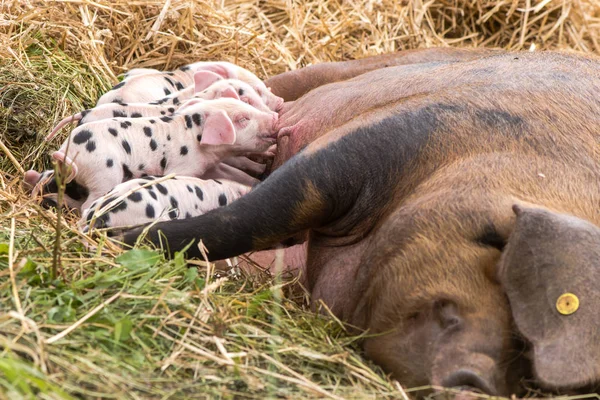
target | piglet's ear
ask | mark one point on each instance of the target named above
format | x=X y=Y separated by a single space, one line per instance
x=218 y=129
x=203 y=79
x=230 y=92
x=217 y=69
x=550 y=269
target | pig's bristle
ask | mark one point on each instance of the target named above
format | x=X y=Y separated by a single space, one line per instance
x=137 y=326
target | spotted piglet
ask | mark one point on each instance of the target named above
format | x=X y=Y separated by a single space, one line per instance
x=104 y=153
x=148 y=87
x=148 y=199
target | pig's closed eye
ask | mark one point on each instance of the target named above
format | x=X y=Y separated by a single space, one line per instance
x=241 y=91
x=242 y=121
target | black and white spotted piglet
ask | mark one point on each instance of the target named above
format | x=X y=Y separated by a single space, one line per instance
x=144 y=200
x=104 y=153
x=148 y=87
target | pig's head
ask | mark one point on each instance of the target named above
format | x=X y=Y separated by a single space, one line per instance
x=208 y=85
x=437 y=316
x=45 y=185
x=550 y=271
x=234 y=122
x=232 y=71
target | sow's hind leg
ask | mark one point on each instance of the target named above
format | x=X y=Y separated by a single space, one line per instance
x=326 y=184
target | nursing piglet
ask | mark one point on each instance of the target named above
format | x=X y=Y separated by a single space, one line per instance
x=148 y=199
x=104 y=153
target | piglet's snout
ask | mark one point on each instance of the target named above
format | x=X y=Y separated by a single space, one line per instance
x=268 y=126
x=31 y=178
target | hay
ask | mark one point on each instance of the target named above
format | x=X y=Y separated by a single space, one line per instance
x=144 y=327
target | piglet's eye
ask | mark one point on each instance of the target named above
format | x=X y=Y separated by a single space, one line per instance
x=241 y=91
x=242 y=121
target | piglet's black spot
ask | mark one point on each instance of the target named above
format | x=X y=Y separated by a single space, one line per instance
x=183 y=151
x=109 y=162
x=161 y=188
x=171 y=110
x=219 y=182
x=197 y=118
x=178 y=85
x=125 y=124
x=170 y=73
x=136 y=115
x=174 y=202
x=119 y=114
x=167 y=91
x=118 y=85
x=127 y=175
x=184 y=68
x=153 y=144
x=188 y=215
x=152 y=193
x=152 y=121
x=175 y=100
x=149 y=211
x=113 y=132
x=101 y=221
x=90 y=146
x=120 y=206
x=82 y=136
x=166 y=119
x=169 y=81
x=199 y=137
x=148 y=131
x=162 y=113
x=107 y=201
x=163 y=163
x=136 y=197
x=169 y=137
x=222 y=199
x=199 y=193
x=189 y=188
x=188 y=121
x=126 y=146
x=141 y=167
x=241 y=91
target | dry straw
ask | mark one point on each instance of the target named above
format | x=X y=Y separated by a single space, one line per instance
x=134 y=329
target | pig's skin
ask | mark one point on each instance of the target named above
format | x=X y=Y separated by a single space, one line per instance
x=120 y=146
x=417 y=193
x=150 y=199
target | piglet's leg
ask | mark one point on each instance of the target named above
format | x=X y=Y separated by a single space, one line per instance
x=246 y=165
x=224 y=171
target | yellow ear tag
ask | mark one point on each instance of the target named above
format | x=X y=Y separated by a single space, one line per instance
x=567 y=303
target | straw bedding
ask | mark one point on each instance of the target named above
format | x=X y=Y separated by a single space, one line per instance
x=75 y=324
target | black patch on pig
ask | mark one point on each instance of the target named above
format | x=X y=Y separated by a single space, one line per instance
x=188 y=121
x=174 y=212
x=183 y=151
x=219 y=182
x=162 y=113
x=119 y=101
x=189 y=188
x=178 y=85
x=82 y=136
x=161 y=188
x=184 y=68
x=175 y=100
x=171 y=110
x=125 y=124
x=76 y=191
x=222 y=199
x=490 y=237
x=169 y=137
x=109 y=162
x=199 y=193
x=127 y=174
x=163 y=100
x=90 y=146
x=136 y=115
x=148 y=131
x=126 y=146
x=119 y=114
x=118 y=85
x=120 y=206
x=169 y=81
x=107 y=202
x=152 y=121
x=149 y=178
x=153 y=144
x=83 y=114
x=241 y=91
x=166 y=119
x=199 y=137
x=170 y=73
x=152 y=193
x=136 y=197
x=163 y=163
x=149 y=211
x=141 y=167
x=101 y=221
x=167 y=91
x=197 y=118
x=188 y=215
x=113 y=132
x=195 y=206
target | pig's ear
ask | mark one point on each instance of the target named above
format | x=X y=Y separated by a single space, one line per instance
x=218 y=129
x=203 y=79
x=550 y=270
x=217 y=69
x=230 y=92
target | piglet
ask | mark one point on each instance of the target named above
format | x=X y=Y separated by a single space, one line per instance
x=105 y=153
x=148 y=199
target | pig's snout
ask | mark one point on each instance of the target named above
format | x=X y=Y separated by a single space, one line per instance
x=31 y=178
x=473 y=371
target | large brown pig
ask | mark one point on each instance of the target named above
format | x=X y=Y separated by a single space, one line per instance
x=409 y=205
